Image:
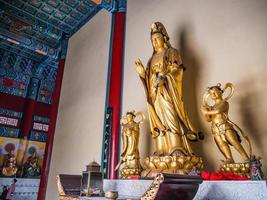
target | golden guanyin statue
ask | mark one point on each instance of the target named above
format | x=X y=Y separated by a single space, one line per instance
x=130 y=159
x=169 y=124
x=225 y=132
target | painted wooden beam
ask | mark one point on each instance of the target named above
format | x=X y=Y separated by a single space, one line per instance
x=27 y=43
x=114 y=5
x=16 y=21
x=8 y=7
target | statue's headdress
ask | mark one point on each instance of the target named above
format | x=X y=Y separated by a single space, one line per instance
x=157 y=27
x=135 y=115
x=222 y=90
x=131 y=113
x=218 y=87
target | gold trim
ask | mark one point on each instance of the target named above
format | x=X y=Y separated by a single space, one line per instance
x=60 y=187
x=62 y=194
x=153 y=189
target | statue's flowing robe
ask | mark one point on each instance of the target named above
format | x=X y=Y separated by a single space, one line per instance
x=130 y=140
x=165 y=105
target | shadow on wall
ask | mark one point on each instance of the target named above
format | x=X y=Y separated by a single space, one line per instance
x=248 y=116
x=253 y=116
x=193 y=65
x=251 y=101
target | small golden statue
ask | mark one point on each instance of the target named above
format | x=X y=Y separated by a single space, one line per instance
x=10 y=167
x=169 y=124
x=130 y=138
x=224 y=131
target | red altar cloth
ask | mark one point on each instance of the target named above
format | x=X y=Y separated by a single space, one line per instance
x=221 y=175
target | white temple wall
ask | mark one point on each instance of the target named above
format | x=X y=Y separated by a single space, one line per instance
x=78 y=135
x=220 y=41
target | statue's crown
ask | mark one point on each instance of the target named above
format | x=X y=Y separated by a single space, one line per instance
x=154 y=28
x=131 y=113
x=218 y=86
x=157 y=27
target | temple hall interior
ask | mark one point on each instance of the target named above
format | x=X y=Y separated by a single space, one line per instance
x=131 y=99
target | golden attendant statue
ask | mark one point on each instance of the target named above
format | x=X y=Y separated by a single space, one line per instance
x=169 y=124
x=130 y=159
x=10 y=168
x=224 y=131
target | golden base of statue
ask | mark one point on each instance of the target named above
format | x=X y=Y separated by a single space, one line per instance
x=242 y=169
x=126 y=173
x=171 y=164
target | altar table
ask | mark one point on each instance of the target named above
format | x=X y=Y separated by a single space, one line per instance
x=27 y=189
x=208 y=190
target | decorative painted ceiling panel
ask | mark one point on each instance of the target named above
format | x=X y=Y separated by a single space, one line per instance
x=54 y=16
x=33 y=35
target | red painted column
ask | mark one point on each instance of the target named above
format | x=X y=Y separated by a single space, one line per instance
x=115 y=87
x=51 y=131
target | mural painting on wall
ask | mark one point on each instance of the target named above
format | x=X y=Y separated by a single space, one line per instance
x=21 y=158
x=9 y=156
x=33 y=159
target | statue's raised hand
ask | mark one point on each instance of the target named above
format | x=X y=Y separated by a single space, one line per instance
x=139 y=67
